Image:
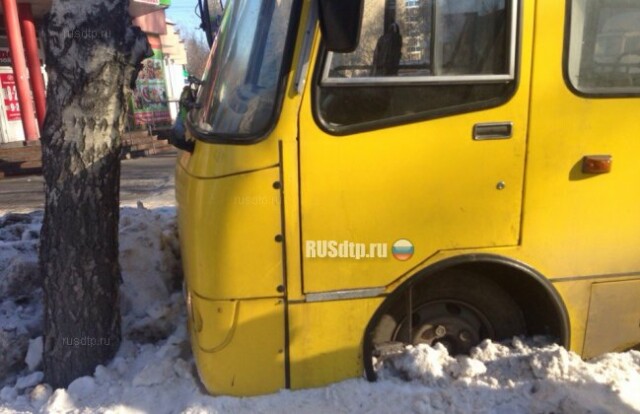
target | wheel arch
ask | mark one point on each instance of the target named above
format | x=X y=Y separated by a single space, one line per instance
x=544 y=310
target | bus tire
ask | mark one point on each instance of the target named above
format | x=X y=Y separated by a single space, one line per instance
x=456 y=308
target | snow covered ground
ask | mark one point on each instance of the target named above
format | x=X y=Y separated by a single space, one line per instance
x=153 y=371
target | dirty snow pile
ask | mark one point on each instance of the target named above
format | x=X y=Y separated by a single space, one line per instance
x=154 y=370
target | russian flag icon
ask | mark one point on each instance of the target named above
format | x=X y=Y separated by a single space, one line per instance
x=402 y=250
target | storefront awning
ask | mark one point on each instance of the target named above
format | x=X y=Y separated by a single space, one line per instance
x=141 y=7
x=38 y=7
x=136 y=7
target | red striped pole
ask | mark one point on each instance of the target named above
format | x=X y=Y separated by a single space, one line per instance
x=33 y=60
x=19 y=64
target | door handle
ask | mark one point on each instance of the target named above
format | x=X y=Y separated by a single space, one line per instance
x=492 y=130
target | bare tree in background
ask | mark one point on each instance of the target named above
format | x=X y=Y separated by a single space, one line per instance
x=197 y=53
x=93 y=55
x=215 y=8
x=211 y=17
x=197 y=47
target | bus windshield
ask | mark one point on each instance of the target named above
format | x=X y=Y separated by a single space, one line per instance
x=238 y=98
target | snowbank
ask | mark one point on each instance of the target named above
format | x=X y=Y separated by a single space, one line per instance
x=20 y=290
x=154 y=370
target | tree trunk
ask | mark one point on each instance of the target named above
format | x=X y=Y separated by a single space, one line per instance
x=91 y=53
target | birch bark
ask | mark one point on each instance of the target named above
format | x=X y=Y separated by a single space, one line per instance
x=92 y=53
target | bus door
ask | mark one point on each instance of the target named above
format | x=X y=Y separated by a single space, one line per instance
x=416 y=141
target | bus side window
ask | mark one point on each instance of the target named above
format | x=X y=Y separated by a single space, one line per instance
x=604 y=47
x=419 y=59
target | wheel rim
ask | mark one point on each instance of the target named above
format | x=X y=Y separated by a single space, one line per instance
x=457 y=325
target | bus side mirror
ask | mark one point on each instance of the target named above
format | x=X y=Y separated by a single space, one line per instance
x=340 y=22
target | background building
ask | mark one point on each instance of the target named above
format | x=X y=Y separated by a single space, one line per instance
x=23 y=76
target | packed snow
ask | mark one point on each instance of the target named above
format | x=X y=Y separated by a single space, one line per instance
x=154 y=369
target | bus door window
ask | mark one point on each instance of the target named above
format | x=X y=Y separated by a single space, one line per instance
x=418 y=59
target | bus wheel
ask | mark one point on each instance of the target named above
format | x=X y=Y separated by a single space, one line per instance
x=457 y=309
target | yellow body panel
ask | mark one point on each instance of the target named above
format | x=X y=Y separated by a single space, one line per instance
x=425 y=181
x=221 y=316
x=228 y=236
x=210 y=161
x=575 y=295
x=251 y=358
x=620 y=299
x=317 y=357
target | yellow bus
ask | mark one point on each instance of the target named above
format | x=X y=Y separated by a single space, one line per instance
x=371 y=174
